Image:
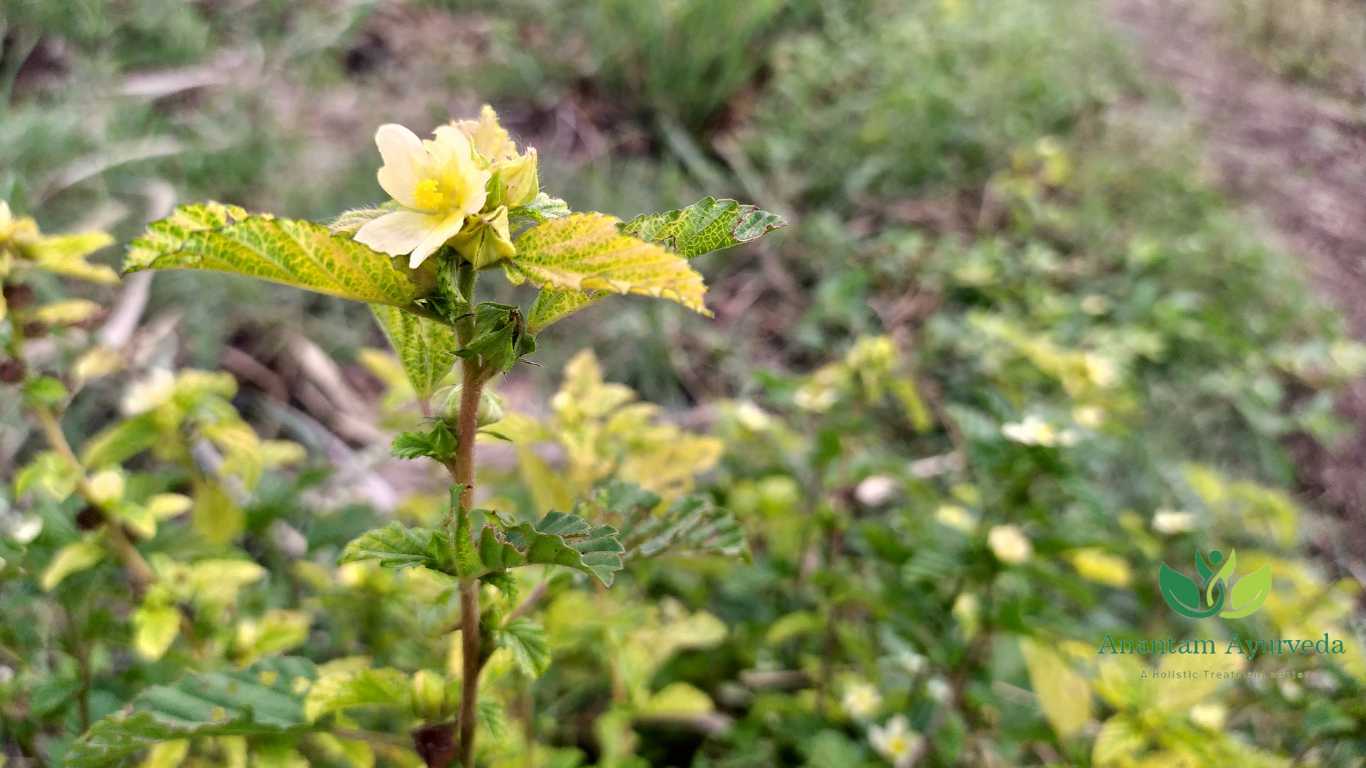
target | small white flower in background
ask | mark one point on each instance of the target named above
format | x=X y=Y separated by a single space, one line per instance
x=1009 y=544
x=912 y=662
x=895 y=741
x=861 y=700
x=1209 y=716
x=6 y=674
x=437 y=183
x=955 y=517
x=1169 y=521
x=1320 y=680
x=939 y=690
x=26 y=529
x=1033 y=430
x=876 y=490
x=752 y=417
x=150 y=392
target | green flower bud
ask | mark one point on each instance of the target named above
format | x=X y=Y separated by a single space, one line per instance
x=486 y=239
x=517 y=179
x=490 y=406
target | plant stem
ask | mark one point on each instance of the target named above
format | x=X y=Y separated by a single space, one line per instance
x=139 y=572
x=463 y=473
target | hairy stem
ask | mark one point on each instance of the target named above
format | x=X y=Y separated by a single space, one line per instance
x=463 y=473
x=139 y=572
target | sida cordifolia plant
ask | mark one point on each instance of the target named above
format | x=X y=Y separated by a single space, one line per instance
x=465 y=204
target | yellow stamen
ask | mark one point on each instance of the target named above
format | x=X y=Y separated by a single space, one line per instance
x=428 y=194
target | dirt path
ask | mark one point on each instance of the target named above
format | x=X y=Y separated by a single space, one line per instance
x=1297 y=159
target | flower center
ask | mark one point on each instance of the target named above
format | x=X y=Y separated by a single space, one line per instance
x=429 y=195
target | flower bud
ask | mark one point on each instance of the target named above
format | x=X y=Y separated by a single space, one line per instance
x=517 y=179
x=486 y=239
x=490 y=407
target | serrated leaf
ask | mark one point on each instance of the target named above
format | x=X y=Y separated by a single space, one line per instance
x=1063 y=693
x=525 y=640
x=425 y=347
x=436 y=443
x=265 y=699
x=690 y=525
x=350 y=221
x=348 y=689
x=558 y=539
x=298 y=253
x=399 y=546
x=550 y=306
x=705 y=226
x=587 y=252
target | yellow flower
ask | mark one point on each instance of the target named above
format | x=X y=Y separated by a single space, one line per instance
x=514 y=180
x=437 y=183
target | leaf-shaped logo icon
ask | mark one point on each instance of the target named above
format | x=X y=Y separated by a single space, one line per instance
x=1183 y=595
x=1249 y=593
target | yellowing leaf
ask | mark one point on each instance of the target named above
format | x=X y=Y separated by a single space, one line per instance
x=155 y=627
x=216 y=517
x=167 y=754
x=298 y=253
x=425 y=347
x=1095 y=564
x=73 y=558
x=1120 y=741
x=1063 y=692
x=705 y=226
x=275 y=632
x=68 y=312
x=588 y=252
x=65 y=255
x=676 y=699
x=345 y=689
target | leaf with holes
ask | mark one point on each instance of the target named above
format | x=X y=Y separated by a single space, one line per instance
x=265 y=699
x=690 y=525
x=425 y=347
x=305 y=255
x=558 y=539
x=705 y=226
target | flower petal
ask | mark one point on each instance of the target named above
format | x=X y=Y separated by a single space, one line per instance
x=404 y=158
x=397 y=233
x=436 y=237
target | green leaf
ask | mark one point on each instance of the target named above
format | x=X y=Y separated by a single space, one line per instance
x=350 y=688
x=587 y=252
x=1063 y=693
x=350 y=221
x=436 y=443
x=1119 y=741
x=45 y=391
x=525 y=640
x=425 y=347
x=1224 y=577
x=705 y=226
x=558 y=539
x=499 y=339
x=399 y=546
x=691 y=525
x=298 y=253
x=73 y=558
x=264 y=699
x=121 y=442
x=1248 y=594
x=542 y=208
